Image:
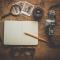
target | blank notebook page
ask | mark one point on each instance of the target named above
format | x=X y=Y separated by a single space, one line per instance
x=14 y=32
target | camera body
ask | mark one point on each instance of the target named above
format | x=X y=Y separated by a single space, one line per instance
x=50 y=23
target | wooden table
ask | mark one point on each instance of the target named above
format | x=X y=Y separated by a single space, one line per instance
x=43 y=51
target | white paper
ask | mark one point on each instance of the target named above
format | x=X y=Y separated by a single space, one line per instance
x=14 y=32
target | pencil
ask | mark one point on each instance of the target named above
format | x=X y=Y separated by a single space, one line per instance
x=36 y=37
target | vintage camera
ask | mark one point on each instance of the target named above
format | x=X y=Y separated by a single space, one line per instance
x=50 y=23
x=50 y=29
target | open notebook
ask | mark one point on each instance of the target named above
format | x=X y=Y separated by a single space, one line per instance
x=14 y=32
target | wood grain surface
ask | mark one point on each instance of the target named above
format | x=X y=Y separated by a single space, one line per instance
x=43 y=51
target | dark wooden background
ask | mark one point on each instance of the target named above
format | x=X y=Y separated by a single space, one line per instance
x=43 y=52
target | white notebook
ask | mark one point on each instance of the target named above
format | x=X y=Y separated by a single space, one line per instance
x=14 y=32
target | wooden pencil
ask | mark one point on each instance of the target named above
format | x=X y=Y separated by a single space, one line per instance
x=36 y=37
